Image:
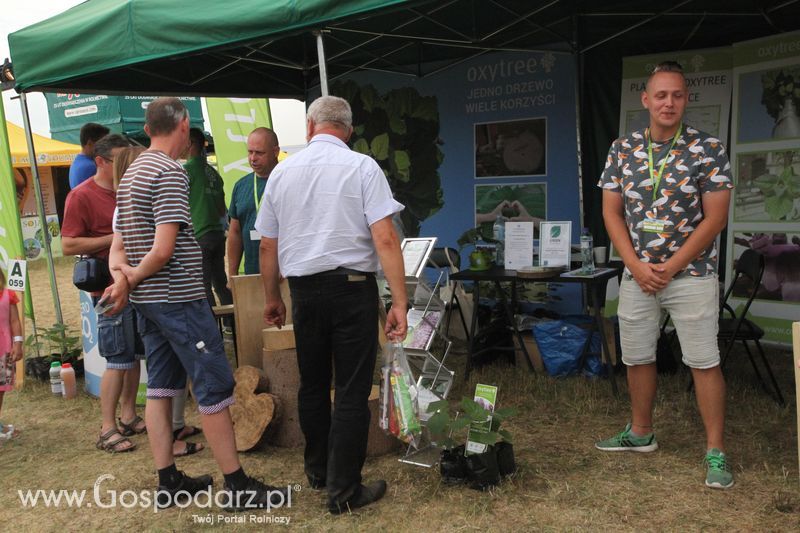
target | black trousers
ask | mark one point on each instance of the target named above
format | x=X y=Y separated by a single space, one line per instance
x=212 y=244
x=336 y=327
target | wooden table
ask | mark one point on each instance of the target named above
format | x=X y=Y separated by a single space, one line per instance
x=595 y=286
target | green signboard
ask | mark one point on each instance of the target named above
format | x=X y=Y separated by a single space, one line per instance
x=121 y=114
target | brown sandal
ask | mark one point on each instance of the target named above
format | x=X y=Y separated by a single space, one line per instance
x=129 y=429
x=106 y=443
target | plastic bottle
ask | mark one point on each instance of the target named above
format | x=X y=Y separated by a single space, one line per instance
x=56 y=385
x=587 y=252
x=68 y=379
x=499 y=235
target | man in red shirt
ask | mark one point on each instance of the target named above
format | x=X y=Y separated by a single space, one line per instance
x=87 y=230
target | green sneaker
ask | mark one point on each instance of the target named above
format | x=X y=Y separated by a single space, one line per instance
x=626 y=442
x=718 y=471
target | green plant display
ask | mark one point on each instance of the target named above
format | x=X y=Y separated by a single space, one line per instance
x=400 y=130
x=61 y=342
x=781 y=191
x=778 y=85
x=449 y=431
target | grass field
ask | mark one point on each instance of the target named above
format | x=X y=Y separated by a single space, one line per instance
x=563 y=483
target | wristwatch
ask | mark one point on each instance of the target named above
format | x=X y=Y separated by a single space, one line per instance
x=17 y=338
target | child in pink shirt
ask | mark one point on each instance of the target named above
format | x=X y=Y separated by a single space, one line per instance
x=10 y=346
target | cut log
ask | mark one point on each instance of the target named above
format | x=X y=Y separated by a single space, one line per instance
x=250 y=378
x=252 y=414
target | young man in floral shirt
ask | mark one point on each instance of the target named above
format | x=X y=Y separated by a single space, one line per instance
x=666 y=192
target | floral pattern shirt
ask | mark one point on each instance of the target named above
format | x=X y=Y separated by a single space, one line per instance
x=697 y=164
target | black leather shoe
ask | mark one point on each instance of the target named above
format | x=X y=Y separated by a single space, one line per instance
x=365 y=495
x=188 y=486
x=255 y=495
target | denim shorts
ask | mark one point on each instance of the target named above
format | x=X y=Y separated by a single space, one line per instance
x=693 y=305
x=118 y=339
x=171 y=333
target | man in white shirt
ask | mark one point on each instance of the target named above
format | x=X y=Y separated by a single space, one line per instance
x=326 y=221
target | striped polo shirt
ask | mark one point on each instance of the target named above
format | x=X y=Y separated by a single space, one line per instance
x=155 y=190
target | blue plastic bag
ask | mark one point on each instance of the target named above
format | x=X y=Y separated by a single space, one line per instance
x=560 y=344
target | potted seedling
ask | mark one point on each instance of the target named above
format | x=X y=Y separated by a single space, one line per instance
x=485 y=468
x=63 y=346
x=442 y=428
x=481 y=470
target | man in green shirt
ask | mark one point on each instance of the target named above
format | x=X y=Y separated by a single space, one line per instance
x=207 y=207
x=262 y=154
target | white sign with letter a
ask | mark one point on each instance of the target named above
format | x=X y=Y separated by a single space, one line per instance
x=16 y=274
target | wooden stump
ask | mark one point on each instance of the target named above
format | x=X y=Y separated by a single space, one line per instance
x=284 y=377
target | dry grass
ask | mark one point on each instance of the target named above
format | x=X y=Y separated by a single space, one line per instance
x=562 y=483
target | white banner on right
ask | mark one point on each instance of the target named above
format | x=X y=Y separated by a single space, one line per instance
x=765 y=143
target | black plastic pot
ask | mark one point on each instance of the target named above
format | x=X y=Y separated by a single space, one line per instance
x=38 y=367
x=506 y=464
x=453 y=466
x=482 y=471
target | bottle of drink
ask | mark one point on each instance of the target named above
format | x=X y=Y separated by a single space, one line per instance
x=587 y=252
x=56 y=385
x=68 y=379
x=499 y=235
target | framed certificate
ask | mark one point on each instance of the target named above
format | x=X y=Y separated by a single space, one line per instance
x=554 y=243
x=415 y=255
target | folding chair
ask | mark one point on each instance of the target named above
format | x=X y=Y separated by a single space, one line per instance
x=749 y=266
x=449 y=260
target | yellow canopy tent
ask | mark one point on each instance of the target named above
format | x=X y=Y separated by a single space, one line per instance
x=49 y=152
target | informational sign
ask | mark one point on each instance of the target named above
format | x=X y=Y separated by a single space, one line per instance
x=496 y=133
x=16 y=275
x=33 y=237
x=519 y=245
x=554 y=244
x=765 y=206
x=486 y=397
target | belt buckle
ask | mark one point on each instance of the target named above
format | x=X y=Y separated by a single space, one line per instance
x=356 y=277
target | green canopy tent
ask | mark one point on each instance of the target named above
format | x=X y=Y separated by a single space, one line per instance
x=275 y=48
x=258 y=49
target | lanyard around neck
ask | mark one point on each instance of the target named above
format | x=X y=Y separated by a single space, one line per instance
x=656 y=179
x=256 y=198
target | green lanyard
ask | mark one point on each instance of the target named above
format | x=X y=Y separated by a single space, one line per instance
x=256 y=198
x=657 y=178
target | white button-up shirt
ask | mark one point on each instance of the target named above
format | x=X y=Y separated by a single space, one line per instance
x=320 y=204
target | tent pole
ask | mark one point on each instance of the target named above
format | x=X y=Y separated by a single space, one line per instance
x=578 y=94
x=323 y=69
x=37 y=187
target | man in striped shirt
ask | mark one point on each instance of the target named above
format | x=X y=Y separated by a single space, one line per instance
x=160 y=263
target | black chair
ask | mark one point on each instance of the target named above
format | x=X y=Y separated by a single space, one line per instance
x=749 y=266
x=448 y=259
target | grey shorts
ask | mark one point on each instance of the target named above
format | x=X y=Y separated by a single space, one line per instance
x=693 y=305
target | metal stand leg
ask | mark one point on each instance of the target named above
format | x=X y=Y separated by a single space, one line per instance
x=510 y=317
x=476 y=295
x=606 y=353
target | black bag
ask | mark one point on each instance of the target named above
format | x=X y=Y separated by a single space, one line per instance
x=91 y=274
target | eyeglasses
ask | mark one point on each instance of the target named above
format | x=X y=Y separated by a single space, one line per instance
x=668 y=66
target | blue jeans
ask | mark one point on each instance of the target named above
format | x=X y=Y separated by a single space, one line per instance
x=172 y=333
x=118 y=339
x=335 y=326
